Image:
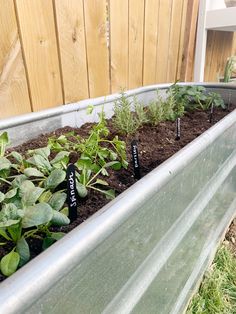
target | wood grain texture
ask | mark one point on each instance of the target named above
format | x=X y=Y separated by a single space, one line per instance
x=136 y=32
x=163 y=40
x=14 y=97
x=209 y=53
x=215 y=65
x=186 y=73
x=181 y=40
x=37 y=29
x=228 y=39
x=119 y=42
x=97 y=47
x=233 y=50
x=219 y=48
x=174 y=45
x=88 y=48
x=150 y=41
x=71 y=37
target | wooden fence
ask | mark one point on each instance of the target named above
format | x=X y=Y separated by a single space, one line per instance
x=54 y=52
x=220 y=46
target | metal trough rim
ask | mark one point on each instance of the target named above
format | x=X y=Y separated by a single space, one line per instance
x=34 y=279
x=35 y=116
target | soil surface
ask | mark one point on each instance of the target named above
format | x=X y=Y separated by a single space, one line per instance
x=155 y=145
x=230 y=237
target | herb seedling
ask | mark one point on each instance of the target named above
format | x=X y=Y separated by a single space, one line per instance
x=124 y=120
x=140 y=112
x=155 y=111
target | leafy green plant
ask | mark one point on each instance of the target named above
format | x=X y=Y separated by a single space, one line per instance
x=27 y=212
x=195 y=97
x=215 y=100
x=95 y=154
x=4 y=141
x=190 y=96
x=88 y=178
x=97 y=147
x=100 y=149
x=30 y=203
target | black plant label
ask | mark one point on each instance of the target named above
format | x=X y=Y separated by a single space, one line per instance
x=211 y=113
x=229 y=103
x=177 y=129
x=71 y=192
x=135 y=159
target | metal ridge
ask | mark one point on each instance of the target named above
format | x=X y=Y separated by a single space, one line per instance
x=90 y=234
x=43 y=114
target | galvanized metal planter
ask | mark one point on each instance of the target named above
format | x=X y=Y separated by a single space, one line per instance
x=145 y=251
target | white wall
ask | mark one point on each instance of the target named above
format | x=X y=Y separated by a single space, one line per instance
x=216 y=4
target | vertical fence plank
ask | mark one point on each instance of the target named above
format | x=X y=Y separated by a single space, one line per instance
x=226 y=52
x=219 y=47
x=181 y=43
x=186 y=73
x=233 y=50
x=71 y=37
x=163 y=40
x=37 y=29
x=14 y=97
x=119 y=44
x=97 y=47
x=176 y=17
x=150 y=41
x=209 y=51
x=136 y=27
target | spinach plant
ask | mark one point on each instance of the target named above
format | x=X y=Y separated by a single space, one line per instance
x=95 y=154
x=88 y=178
x=27 y=211
x=97 y=147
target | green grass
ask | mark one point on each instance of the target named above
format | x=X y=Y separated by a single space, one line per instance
x=217 y=293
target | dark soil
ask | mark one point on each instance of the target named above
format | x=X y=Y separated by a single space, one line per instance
x=230 y=237
x=155 y=144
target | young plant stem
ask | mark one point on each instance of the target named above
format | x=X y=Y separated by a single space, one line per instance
x=5 y=181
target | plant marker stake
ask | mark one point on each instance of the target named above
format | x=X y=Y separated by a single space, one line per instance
x=229 y=102
x=177 y=129
x=71 y=192
x=135 y=160
x=211 y=113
